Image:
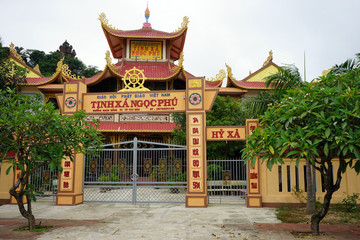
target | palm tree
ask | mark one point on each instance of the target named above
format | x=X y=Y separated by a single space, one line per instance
x=347 y=65
x=286 y=78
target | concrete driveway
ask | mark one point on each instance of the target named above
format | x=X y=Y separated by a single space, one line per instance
x=153 y=221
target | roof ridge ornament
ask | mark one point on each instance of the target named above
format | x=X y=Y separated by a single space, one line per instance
x=109 y=63
x=181 y=60
x=134 y=80
x=15 y=53
x=105 y=22
x=219 y=77
x=229 y=71
x=183 y=24
x=67 y=72
x=147 y=15
x=269 y=58
x=37 y=68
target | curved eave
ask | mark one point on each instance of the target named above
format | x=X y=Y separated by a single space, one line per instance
x=44 y=80
x=240 y=85
x=116 y=38
x=130 y=34
x=213 y=84
x=98 y=77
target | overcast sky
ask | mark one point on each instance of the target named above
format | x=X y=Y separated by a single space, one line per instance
x=237 y=32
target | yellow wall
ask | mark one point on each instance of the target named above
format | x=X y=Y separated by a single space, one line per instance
x=260 y=76
x=29 y=74
x=269 y=184
x=6 y=182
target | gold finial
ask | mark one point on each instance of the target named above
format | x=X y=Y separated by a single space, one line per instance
x=104 y=21
x=325 y=72
x=15 y=53
x=229 y=71
x=109 y=63
x=269 y=58
x=219 y=77
x=134 y=80
x=183 y=24
x=181 y=59
x=107 y=58
x=250 y=72
x=67 y=72
x=36 y=68
x=58 y=67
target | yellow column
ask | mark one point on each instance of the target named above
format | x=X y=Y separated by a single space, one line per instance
x=6 y=182
x=70 y=191
x=253 y=198
x=196 y=144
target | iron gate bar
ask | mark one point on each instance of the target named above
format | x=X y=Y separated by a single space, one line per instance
x=144 y=188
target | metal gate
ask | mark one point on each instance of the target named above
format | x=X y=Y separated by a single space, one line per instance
x=226 y=180
x=134 y=172
x=45 y=183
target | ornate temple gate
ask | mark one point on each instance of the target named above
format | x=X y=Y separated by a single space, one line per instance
x=134 y=172
x=195 y=101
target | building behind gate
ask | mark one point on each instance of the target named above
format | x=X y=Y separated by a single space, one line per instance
x=150 y=75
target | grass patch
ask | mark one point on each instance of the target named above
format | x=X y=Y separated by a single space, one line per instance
x=37 y=228
x=337 y=215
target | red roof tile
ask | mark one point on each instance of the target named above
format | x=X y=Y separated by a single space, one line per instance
x=158 y=70
x=212 y=84
x=145 y=32
x=135 y=127
x=254 y=85
x=35 y=81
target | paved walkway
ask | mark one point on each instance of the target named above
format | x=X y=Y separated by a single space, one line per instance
x=148 y=221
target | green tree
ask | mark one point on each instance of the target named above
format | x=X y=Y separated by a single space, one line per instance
x=11 y=75
x=347 y=65
x=226 y=111
x=38 y=135
x=287 y=77
x=179 y=133
x=318 y=122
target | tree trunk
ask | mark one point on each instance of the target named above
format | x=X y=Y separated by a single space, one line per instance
x=19 y=199
x=316 y=218
x=310 y=203
x=330 y=189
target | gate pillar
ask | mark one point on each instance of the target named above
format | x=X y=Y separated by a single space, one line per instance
x=253 y=198
x=196 y=195
x=70 y=188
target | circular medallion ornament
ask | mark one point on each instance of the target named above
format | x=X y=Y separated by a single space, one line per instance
x=195 y=99
x=70 y=102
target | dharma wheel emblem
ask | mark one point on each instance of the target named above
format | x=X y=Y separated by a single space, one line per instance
x=134 y=80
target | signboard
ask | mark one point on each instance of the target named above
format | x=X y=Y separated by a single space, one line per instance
x=169 y=101
x=225 y=133
x=145 y=50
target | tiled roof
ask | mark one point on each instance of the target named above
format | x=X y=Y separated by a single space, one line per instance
x=251 y=85
x=135 y=127
x=143 y=33
x=213 y=84
x=36 y=81
x=155 y=71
